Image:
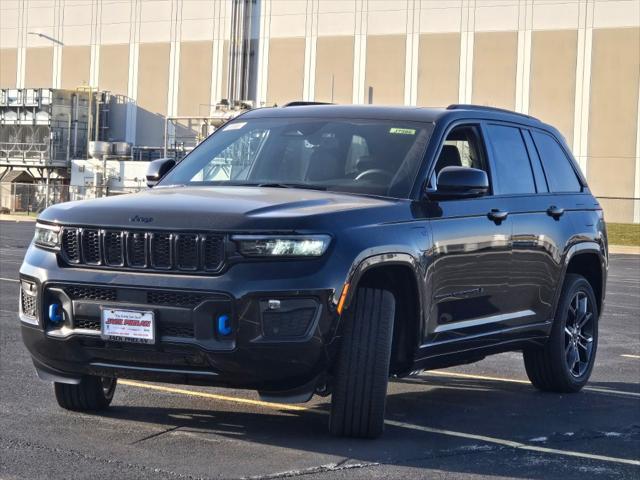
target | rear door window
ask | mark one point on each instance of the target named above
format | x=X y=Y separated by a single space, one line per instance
x=512 y=168
x=560 y=174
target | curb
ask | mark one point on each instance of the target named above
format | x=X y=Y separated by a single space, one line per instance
x=624 y=249
x=16 y=218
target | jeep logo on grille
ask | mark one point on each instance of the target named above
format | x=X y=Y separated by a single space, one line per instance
x=139 y=219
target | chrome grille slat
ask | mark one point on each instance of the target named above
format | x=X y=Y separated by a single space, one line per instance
x=141 y=250
x=187 y=251
x=161 y=250
x=137 y=249
x=90 y=246
x=113 y=248
x=71 y=245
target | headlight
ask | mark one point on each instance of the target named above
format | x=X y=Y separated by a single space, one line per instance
x=47 y=236
x=282 y=246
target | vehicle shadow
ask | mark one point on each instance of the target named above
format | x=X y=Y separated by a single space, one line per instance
x=515 y=412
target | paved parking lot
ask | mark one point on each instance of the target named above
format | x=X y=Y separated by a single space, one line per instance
x=482 y=420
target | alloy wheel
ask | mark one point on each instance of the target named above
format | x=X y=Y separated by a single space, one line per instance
x=579 y=331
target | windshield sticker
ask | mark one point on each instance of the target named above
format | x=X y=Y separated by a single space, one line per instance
x=235 y=126
x=402 y=131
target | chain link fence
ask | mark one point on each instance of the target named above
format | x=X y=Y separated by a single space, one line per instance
x=32 y=198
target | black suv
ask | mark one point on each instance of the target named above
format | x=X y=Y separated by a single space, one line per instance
x=321 y=249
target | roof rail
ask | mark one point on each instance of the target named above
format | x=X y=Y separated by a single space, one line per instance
x=300 y=103
x=464 y=106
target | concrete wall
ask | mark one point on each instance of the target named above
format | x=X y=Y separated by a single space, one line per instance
x=613 y=117
x=494 y=69
x=76 y=66
x=286 y=70
x=153 y=80
x=334 y=69
x=438 y=69
x=8 y=66
x=553 y=78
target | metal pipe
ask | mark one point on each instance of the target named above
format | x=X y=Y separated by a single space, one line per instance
x=166 y=139
x=75 y=124
x=246 y=56
x=69 y=130
x=97 y=134
x=89 y=119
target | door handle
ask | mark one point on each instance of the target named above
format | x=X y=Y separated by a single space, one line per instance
x=497 y=215
x=555 y=212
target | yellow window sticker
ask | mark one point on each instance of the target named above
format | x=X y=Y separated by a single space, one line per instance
x=402 y=131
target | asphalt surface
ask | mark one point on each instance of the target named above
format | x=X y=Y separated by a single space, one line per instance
x=482 y=420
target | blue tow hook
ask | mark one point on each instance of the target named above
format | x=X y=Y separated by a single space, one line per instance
x=55 y=313
x=224 y=325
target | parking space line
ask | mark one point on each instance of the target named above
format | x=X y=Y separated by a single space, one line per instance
x=393 y=423
x=474 y=377
x=9 y=279
x=214 y=396
x=512 y=444
x=627 y=355
x=513 y=380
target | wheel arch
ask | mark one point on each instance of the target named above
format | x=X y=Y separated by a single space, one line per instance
x=589 y=260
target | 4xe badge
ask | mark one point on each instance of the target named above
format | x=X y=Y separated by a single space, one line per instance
x=139 y=219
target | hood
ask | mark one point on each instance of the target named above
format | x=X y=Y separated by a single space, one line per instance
x=224 y=208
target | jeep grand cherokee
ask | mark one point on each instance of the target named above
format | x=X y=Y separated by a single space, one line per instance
x=321 y=249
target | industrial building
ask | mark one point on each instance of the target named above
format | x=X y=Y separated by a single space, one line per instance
x=572 y=63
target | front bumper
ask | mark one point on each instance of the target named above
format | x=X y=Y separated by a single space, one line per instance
x=188 y=348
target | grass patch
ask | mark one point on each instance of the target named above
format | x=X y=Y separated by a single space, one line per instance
x=624 y=233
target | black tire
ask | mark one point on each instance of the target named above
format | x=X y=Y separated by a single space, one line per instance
x=362 y=372
x=548 y=367
x=91 y=394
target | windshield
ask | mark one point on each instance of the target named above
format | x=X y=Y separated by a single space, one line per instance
x=378 y=157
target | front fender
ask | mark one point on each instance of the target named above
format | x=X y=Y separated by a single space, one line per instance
x=372 y=259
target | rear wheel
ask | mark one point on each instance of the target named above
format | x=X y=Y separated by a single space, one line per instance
x=565 y=363
x=91 y=394
x=360 y=388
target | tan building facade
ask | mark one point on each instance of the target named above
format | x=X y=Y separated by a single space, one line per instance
x=573 y=63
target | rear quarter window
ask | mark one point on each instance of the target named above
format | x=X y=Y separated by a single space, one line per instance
x=561 y=176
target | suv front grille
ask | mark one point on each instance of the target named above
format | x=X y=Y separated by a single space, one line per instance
x=175 y=299
x=87 y=324
x=167 y=298
x=143 y=250
x=91 y=293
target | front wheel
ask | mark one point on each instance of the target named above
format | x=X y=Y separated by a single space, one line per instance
x=362 y=373
x=91 y=394
x=565 y=363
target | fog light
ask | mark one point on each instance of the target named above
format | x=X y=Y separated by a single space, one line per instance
x=55 y=313
x=224 y=325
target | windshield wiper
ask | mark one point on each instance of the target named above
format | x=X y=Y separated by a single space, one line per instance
x=291 y=185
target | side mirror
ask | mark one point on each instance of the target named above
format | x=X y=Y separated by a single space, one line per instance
x=158 y=169
x=459 y=182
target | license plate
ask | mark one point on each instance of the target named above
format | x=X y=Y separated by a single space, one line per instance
x=135 y=326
